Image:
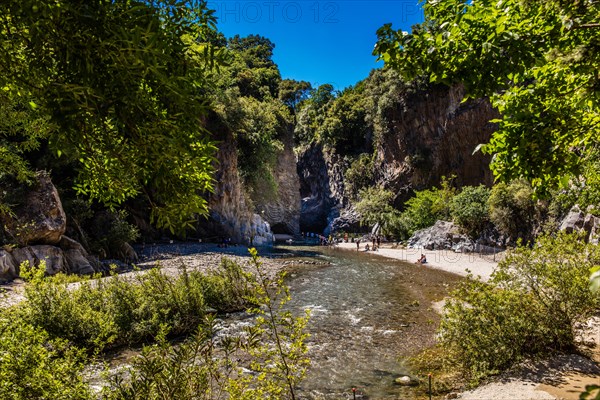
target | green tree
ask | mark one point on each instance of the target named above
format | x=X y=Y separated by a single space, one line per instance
x=124 y=83
x=252 y=69
x=359 y=176
x=469 y=209
x=375 y=206
x=292 y=93
x=513 y=210
x=539 y=61
x=257 y=50
x=344 y=126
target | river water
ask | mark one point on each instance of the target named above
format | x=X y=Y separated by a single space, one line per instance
x=368 y=313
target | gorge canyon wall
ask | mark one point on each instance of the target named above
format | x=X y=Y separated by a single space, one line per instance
x=428 y=133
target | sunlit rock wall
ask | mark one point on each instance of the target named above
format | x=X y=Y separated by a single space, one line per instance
x=230 y=212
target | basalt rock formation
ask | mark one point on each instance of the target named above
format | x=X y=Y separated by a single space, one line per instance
x=35 y=231
x=321 y=173
x=431 y=133
x=283 y=214
x=230 y=214
x=583 y=223
x=38 y=217
x=428 y=133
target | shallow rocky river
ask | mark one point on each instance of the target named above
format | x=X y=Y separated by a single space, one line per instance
x=368 y=313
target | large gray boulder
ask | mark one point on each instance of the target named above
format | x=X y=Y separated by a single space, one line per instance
x=443 y=235
x=584 y=223
x=9 y=269
x=76 y=257
x=52 y=255
x=574 y=220
x=25 y=254
x=39 y=218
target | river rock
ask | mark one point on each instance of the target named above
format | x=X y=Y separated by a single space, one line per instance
x=24 y=254
x=76 y=256
x=127 y=253
x=33 y=255
x=406 y=381
x=39 y=218
x=53 y=256
x=9 y=269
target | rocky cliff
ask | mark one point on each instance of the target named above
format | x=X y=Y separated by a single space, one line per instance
x=426 y=133
x=321 y=173
x=230 y=213
x=283 y=214
x=431 y=133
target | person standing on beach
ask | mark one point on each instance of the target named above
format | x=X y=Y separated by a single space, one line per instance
x=357 y=244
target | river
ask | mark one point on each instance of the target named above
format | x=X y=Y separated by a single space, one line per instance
x=367 y=314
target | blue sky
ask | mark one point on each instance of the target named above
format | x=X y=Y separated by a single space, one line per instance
x=318 y=41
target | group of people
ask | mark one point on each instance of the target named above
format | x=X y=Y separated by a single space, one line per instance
x=374 y=247
x=323 y=240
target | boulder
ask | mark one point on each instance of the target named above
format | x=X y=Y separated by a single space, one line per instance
x=348 y=220
x=25 y=254
x=127 y=253
x=574 y=220
x=53 y=256
x=76 y=257
x=66 y=243
x=406 y=381
x=443 y=235
x=586 y=223
x=9 y=269
x=78 y=262
x=39 y=218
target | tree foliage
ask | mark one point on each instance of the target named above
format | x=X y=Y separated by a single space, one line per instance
x=375 y=207
x=292 y=93
x=469 y=209
x=513 y=210
x=124 y=83
x=537 y=59
x=251 y=67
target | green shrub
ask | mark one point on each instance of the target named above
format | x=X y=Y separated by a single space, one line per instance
x=211 y=366
x=110 y=230
x=528 y=307
x=127 y=309
x=428 y=206
x=469 y=209
x=34 y=366
x=184 y=371
x=513 y=210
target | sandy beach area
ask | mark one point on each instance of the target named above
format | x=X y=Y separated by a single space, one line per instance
x=458 y=263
